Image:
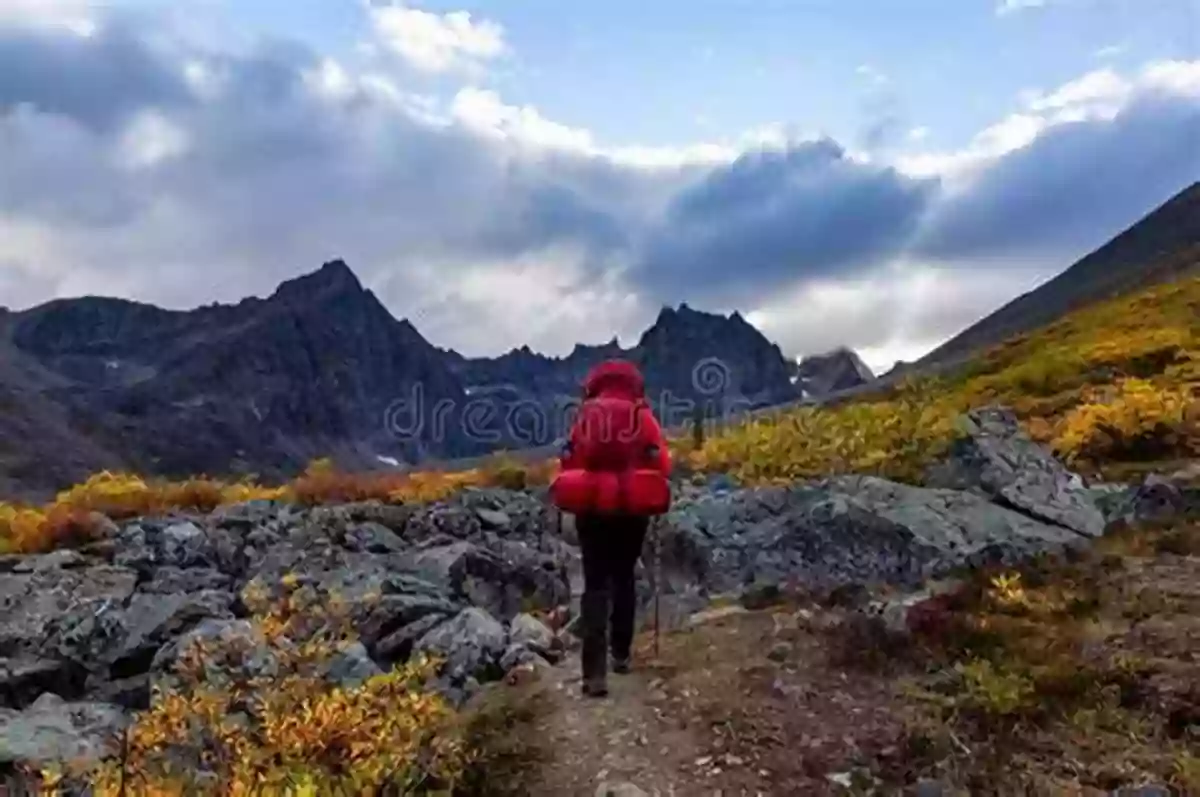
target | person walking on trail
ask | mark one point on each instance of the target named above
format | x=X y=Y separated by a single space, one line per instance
x=614 y=478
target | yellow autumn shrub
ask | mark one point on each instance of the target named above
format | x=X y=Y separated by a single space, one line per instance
x=290 y=731
x=1117 y=381
x=30 y=529
x=124 y=495
x=1135 y=418
x=889 y=438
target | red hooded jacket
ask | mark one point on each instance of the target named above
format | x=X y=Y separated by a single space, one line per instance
x=616 y=461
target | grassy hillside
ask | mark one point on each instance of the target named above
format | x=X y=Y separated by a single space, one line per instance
x=1112 y=388
x=1160 y=247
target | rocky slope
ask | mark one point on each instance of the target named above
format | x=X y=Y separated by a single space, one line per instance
x=319 y=368
x=85 y=633
x=1158 y=248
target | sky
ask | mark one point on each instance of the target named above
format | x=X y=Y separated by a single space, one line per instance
x=877 y=174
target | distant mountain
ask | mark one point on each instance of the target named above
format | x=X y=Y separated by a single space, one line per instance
x=840 y=369
x=523 y=373
x=1162 y=246
x=258 y=387
x=688 y=356
x=319 y=368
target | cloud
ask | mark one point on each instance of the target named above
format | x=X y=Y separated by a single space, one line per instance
x=900 y=312
x=872 y=75
x=1110 y=51
x=1104 y=151
x=140 y=165
x=777 y=217
x=75 y=16
x=1102 y=91
x=484 y=112
x=437 y=43
x=285 y=159
x=97 y=80
x=1006 y=7
x=1096 y=97
x=151 y=139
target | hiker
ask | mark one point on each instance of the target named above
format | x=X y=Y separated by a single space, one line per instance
x=613 y=479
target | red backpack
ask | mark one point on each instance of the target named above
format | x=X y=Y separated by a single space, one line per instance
x=616 y=460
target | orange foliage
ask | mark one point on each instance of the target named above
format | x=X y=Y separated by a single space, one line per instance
x=78 y=515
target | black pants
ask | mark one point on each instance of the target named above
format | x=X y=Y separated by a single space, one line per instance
x=611 y=547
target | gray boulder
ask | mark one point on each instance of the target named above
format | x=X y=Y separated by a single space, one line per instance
x=1157 y=498
x=845 y=530
x=177 y=580
x=995 y=459
x=23 y=680
x=504 y=578
x=518 y=655
x=149 y=544
x=372 y=537
x=256 y=659
x=619 y=789
x=471 y=643
x=530 y=632
x=62 y=559
x=32 y=602
x=351 y=666
x=494 y=519
x=123 y=640
x=391 y=625
x=247 y=515
x=53 y=731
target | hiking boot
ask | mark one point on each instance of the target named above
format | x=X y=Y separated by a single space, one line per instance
x=595 y=686
x=621 y=665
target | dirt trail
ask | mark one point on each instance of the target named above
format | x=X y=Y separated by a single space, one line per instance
x=742 y=704
x=789 y=700
x=625 y=738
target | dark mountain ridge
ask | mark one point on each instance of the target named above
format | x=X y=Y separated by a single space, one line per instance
x=319 y=368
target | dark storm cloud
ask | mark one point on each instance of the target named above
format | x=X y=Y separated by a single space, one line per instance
x=1073 y=187
x=775 y=218
x=273 y=177
x=96 y=80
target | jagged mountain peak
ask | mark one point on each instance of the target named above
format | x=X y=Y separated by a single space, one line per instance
x=838 y=369
x=612 y=348
x=687 y=323
x=686 y=314
x=333 y=277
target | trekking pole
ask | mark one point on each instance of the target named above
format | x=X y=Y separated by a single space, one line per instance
x=657 y=575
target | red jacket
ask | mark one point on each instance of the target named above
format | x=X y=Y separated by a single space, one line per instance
x=617 y=460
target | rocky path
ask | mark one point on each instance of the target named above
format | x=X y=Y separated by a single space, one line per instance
x=739 y=704
x=616 y=745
